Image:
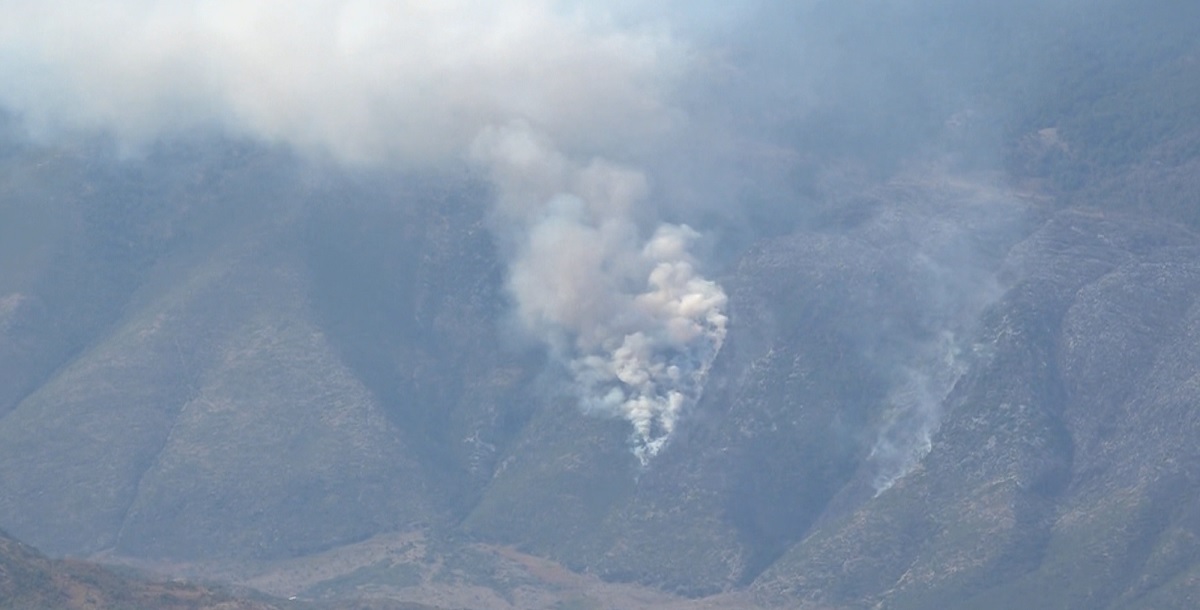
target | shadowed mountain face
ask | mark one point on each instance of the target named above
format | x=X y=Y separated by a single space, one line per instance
x=282 y=339
x=956 y=364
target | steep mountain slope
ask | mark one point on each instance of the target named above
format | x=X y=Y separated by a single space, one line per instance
x=1054 y=476
x=258 y=377
x=822 y=323
x=949 y=391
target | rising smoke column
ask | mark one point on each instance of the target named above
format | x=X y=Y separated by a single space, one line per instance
x=940 y=248
x=537 y=92
x=635 y=323
x=914 y=409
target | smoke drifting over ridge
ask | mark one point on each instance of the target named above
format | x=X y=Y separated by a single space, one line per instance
x=535 y=93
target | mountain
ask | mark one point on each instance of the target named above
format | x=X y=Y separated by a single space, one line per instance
x=256 y=396
x=960 y=370
x=1052 y=477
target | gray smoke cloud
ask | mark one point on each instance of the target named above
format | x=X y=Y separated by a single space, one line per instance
x=635 y=321
x=363 y=81
x=540 y=94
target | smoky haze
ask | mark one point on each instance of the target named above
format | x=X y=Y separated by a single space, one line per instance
x=621 y=142
x=535 y=94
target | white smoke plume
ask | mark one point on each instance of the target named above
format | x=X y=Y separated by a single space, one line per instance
x=536 y=92
x=637 y=324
